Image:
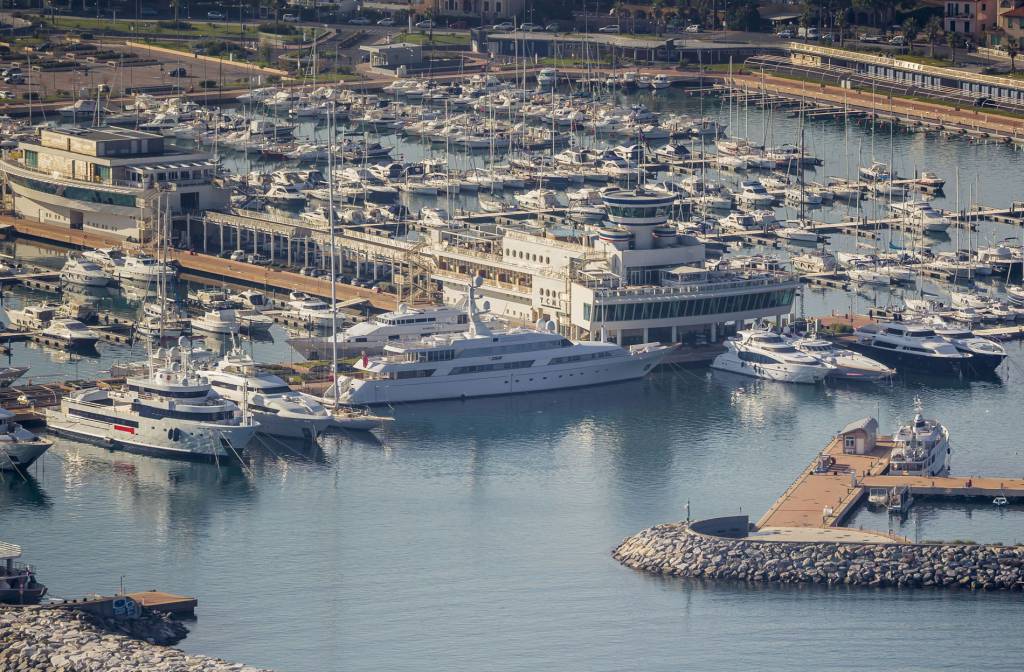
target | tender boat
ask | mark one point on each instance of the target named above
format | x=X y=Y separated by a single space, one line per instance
x=18 y=583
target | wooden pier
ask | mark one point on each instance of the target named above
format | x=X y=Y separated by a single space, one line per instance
x=118 y=605
x=835 y=483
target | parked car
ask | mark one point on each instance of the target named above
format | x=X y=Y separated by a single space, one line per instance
x=531 y=27
x=306 y=270
x=257 y=259
x=614 y=28
x=425 y=24
x=827 y=37
x=238 y=255
x=359 y=21
x=178 y=72
x=214 y=15
x=785 y=34
x=505 y=25
x=6 y=95
x=14 y=79
x=386 y=21
x=898 y=41
x=552 y=28
x=811 y=33
x=693 y=28
x=290 y=18
x=870 y=39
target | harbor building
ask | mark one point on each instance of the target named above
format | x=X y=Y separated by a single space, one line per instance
x=634 y=280
x=106 y=179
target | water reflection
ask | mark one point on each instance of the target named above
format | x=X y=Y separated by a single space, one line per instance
x=22 y=490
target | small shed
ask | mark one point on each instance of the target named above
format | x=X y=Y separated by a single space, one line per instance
x=391 y=56
x=859 y=436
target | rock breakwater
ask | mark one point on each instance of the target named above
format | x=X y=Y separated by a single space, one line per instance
x=62 y=640
x=677 y=550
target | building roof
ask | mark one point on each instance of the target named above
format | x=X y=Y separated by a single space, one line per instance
x=101 y=133
x=1015 y=13
x=867 y=424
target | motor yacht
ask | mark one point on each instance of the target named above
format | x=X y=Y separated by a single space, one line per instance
x=752 y=193
x=910 y=347
x=739 y=221
x=313 y=312
x=84 y=273
x=19 y=448
x=818 y=261
x=171 y=412
x=921 y=215
x=660 y=81
x=31 y=316
x=538 y=199
x=921 y=447
x=796 y=231
x=279 y=410
x=876 y=172
x=760 y=353
x=222 y=321
x=71 y=333
x=143 y=269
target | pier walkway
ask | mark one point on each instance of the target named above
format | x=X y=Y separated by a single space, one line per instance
x=835 y=483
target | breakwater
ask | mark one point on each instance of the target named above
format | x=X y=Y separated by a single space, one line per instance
x=679 y=549
x=64 y=640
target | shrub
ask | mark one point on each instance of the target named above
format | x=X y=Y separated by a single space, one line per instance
x=175 y=25
x=277 y=28
x=208 y=84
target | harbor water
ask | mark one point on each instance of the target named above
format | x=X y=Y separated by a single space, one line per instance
x=477 y=534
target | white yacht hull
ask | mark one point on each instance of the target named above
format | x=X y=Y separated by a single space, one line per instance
x=151 y=436
x=19 y=455
x=783 y=373
x=289 y=427
x=493 y=383
x=84 y=280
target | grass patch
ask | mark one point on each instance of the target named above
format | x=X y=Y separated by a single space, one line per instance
x=438 y=39
x=926 y=60
x=130 y=26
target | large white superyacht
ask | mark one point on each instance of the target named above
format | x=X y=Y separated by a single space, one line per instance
x=484 y=363
x=171 y=412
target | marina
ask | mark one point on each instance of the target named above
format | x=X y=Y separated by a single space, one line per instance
x=274 y=346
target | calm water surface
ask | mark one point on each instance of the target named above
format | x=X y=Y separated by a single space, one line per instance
x=477 y=535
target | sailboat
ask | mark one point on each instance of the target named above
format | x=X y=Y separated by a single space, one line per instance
x=797 y=230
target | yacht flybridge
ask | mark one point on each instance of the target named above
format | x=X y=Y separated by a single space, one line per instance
x=171 y=412
x=483 y=363
x=401 y=326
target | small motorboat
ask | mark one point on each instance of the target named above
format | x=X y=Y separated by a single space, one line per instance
x=1000 y=501
x=18 y=584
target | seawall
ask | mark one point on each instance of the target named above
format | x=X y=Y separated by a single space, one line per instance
x=718 y=549
x=63 y=640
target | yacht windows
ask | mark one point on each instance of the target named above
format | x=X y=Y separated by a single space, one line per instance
x=500 y=366
x=418 y=373
x=181 y=394
x=102 y=418
x=756 y=358
x=580 y=358
x=213 y=415
x=430 y=355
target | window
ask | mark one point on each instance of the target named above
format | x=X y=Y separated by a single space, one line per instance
x=31 y=158
x=481 y=368
x=849 y=444
x=418 y=373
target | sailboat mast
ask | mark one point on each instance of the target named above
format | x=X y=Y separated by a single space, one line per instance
x=334 y=276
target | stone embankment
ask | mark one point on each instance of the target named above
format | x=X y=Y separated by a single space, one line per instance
x=677 y=550
x=62 y=640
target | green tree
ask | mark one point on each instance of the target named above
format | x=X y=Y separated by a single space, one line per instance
x=1012 y=50
x=743 y=15
x=951 y=43
x=909 y=29
x=932 y=30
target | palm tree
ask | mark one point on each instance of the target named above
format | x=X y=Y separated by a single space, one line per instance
x=931 y=32
x=910 y=32
x=951 y=42
x=1012 y=50
x=839 y=23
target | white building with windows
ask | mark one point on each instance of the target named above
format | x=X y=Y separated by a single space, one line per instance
x=635 y=279
x=106 y=179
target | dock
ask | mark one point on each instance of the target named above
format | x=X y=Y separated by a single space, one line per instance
x=126 y=604
x=831 y=488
